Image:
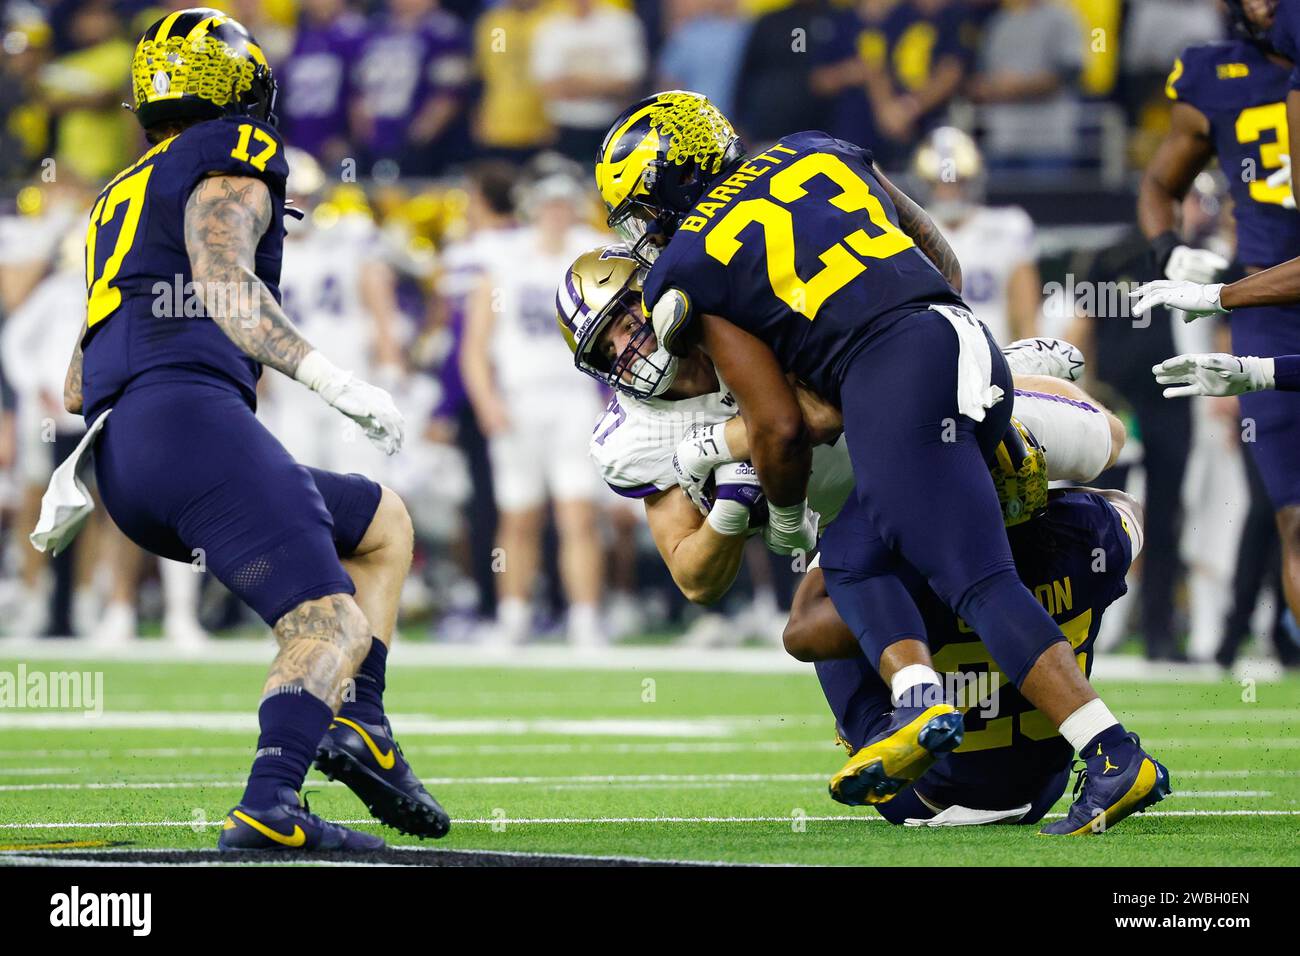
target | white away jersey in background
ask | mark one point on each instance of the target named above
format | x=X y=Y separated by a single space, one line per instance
x=528 y=352
x=990 y=244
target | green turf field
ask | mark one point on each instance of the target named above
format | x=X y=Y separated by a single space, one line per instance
x=670 y=765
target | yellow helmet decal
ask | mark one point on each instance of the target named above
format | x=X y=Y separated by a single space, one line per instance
x=1020 y=475
x=678 y=125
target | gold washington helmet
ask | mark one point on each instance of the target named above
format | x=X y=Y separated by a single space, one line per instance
x=949 y=168
x=655 y=162
x=200 y=64
x=601 y=287
x=1019 y=471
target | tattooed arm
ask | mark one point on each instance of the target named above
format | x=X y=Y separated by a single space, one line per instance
x=914 y=221
x=225 y=218
x=72 y=394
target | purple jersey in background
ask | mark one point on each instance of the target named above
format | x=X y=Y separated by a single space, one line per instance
x=317 y=82
x=402 y=67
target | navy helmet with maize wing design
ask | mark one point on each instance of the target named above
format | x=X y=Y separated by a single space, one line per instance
x=200 y=64
x=655 y=162
x=601 y=288
x=1019 y=470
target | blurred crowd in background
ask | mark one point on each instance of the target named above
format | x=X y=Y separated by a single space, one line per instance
x=442 y=151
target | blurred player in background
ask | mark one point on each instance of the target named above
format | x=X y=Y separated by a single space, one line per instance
x=338 y=289
x=1230 y=104
x=994 y=244
x=534 y=413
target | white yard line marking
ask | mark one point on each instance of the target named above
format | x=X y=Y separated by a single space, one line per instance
x=598 y=821
x=410 y=724
x=746 y=660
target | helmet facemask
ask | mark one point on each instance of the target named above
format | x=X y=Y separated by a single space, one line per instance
x=641 y=368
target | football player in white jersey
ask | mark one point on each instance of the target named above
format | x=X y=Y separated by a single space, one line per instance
x=995 y=244
x=534 y=412
x=684 y=429
x=336 y=287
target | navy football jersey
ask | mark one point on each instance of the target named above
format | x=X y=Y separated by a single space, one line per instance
x=800 y=246
x=143 y=317
x=1073 y=558
x=1243 y=95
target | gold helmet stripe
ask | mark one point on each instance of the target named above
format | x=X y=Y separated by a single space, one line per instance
x=258 y=56
x=164 y=30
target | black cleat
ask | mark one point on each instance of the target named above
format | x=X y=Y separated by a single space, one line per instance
x=368 y=760
x=290 y=825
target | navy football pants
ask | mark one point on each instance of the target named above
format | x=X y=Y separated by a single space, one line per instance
x=923 y=482
x=189 y=473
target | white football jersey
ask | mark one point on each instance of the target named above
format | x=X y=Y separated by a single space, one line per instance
x=990 y=244
x=320 y=286
x=528 y=353
x=635 y=440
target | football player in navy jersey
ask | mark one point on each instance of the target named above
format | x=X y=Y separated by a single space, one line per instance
x=183 y=263
x=806 y=260
x=1011 y=765
x=1229 y=101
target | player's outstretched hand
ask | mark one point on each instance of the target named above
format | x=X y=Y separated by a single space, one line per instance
x=702 y=449
x=370 y=407
x=1213 y=373
x=1193 y=298
x=791 y=528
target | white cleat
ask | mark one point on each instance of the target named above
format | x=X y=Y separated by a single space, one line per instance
x=184 y=632
x=116 y=628
x=1043 y=355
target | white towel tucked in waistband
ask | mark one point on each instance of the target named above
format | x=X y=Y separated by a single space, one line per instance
x=975 y=389
x=67 y=504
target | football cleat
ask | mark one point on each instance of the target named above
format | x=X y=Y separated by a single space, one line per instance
x=368 y=760
x=1055 y=358
x=290 y=825
x=896 y=758
x=1111 y=792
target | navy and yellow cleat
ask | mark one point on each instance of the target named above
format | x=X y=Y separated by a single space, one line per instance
x=1114 y=786
x=368 y=760
x=896 y=758
x=290 y=825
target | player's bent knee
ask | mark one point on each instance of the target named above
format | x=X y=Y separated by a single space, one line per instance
x=1118 y=438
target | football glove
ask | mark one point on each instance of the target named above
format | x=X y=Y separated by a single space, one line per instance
x=1283 y=178
x=371 y=408
x=701 y=450
x=1194 y=265
x=1214 y=373
x=791 y=528
x=737 y=499
x=1193 y=299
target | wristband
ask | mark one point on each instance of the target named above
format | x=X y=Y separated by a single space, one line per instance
x=729 y=517
x=786 y=519
x=1162 y=247
x=319 y=373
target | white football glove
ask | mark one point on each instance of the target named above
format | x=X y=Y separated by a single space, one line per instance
x=791 y=528
x=1194 y=299
x=703 y=448
x=1214 y=373
x=1283 y=178
x=1194 y=265
x=370 y=407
